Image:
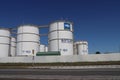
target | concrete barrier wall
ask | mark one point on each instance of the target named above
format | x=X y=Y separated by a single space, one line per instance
x=74 y=58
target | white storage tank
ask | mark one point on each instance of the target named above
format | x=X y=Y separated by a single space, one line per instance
x=27 y=40
x=81 y=47
x=4 y=42
x=46 y=49
x=13 y=47
x=42 y=48
x=75 y=51
x=61 y=37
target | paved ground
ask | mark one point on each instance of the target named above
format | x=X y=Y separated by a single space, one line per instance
x=60 y=74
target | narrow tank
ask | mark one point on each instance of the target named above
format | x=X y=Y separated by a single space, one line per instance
x=61 y=37
x=13 y=47
x=42 y=48
x=4 y=42
x=27 y=40
x=46 y=49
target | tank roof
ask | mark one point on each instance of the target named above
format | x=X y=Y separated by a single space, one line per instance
x=28 y=25
x=61 y=21
x=1 y=28
x=81 y=42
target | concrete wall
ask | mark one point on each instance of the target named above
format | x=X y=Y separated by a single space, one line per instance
x=74 y=58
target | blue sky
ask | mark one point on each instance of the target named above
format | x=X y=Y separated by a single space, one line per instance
x=97 y=21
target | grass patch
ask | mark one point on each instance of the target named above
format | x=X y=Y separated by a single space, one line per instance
x=25 y=65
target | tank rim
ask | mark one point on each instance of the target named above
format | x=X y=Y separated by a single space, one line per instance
x=5 y=29
x=67 y=21
x=30 y=25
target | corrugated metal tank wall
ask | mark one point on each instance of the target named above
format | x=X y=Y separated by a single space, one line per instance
x=4 y=42
x=28 y=40
x=61 y=37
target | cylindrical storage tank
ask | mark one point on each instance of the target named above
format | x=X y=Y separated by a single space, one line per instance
x=82 y=47
x=46 y=49
x=75 y=50
x=13 y=46
x=61 y=37
x=42 y=48
x=4 y=42
x=27 y=40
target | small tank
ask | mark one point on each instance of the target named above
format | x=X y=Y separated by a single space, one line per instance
x=42 y=48
x=81 y=47
x=13 y=47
